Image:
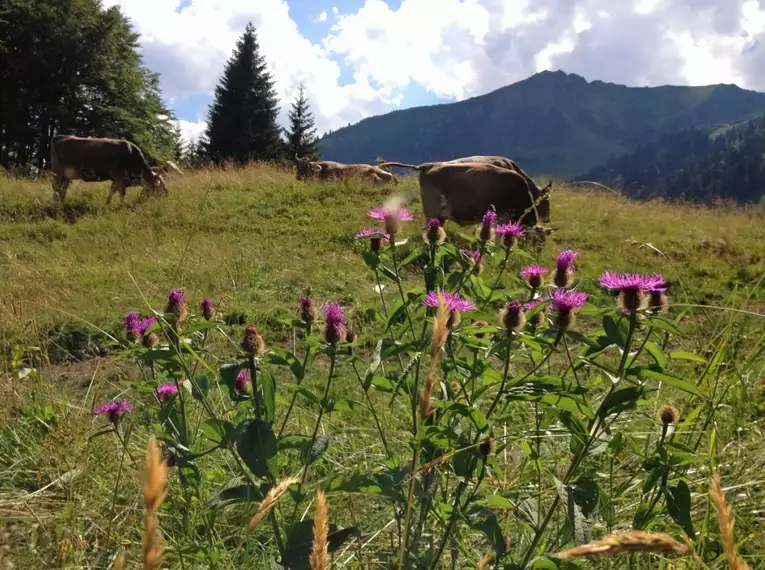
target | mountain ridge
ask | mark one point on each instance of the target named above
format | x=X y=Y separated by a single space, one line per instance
x=552 y=123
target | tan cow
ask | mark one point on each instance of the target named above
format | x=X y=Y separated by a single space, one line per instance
x=327 y=169
x=463 y=191
x=97 y=160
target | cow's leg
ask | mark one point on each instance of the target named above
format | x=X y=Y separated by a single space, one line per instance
x=116 y=186
x=60 y=186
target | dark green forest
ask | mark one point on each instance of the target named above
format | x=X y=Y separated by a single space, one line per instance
x=694 y=164
x=551 y=123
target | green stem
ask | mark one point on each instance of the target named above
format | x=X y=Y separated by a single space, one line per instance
x=295 y=395
x=499 y=277
x=401 y=289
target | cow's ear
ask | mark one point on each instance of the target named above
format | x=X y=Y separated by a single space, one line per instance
x=547 y=189
x=297 y=159
x=316 y=167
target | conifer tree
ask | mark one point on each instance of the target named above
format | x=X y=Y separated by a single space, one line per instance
x=241 y=125
x=301 y=136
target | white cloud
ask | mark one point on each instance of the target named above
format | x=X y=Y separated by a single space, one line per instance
x=191 y=130
x=322 y=17
x=452 y=48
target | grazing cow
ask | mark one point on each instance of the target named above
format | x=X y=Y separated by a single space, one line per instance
x=166 y=167
x=327 y=169
x=97 y=160
x=463 y=191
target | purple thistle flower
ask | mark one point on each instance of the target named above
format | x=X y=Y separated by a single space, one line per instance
x=534 y=303
x=166 y=391
x=384 y=213
x=472 y=254
x=307 y=311
x=132 y=325
x=658 y=285
x=454 y=302
x=176 y=296
x=565 y=301
x=432 y=225
x=433 y=232
x=145 y=324
x=533 y=271
x=334 y=322
x=176 y=304
x=372 y=232
x=566 y=259
x=242 y=381
x=208 y=309
x=485 y=232
x=512 y=316
x=114 y=409
x=631 y=281
x=511 y=229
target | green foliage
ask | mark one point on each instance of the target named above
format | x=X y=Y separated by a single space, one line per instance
x=551 y=123
x=71 y=67
x=241 y=125
x=301 y=135
x=694 y=164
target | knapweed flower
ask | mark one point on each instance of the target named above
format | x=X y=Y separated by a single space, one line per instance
x=166 y=391
x=480 y=324
x=533 y=275
x=252 y=342
x=242 y=381
x=391 y=216
x=486 y=445
x=375 y=237
x=564 y=302
x=658 y=301
x=669 y=415
x=307 y=311
x=433 y=233
x=512 y=316
x=631 y=287
x=113 y=409
x=208 y=309
x=474 y=258
x=564 y=267
x=537 y=318
x=132 y=326
x=454 y=303
x=509 y=233
x=148 y=339
x=486 y=231
x=334 y=322
x=176 y=304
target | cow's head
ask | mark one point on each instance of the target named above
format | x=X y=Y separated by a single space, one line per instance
x=157 y=183
x=304 y=168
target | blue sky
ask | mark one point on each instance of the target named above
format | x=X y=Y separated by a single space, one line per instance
x=367 y=57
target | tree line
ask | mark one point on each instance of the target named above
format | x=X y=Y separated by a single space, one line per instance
x=73 y=67
x=695 y=164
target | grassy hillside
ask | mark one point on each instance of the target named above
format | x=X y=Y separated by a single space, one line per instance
x=551 y=123
x=254 y=241
x=697 y=164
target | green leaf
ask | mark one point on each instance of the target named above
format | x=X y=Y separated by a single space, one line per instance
x=281 y=357
x=613 y=331
x=257 y=447
x=673 y=381
x=486 y=521
x=387 y=484
x=624 y=399
x=310 y=454
x=499 y=502
x=268 y=385
x=300 y=540
x=217 y=430
x=658 y=355
x=239 y=494
x=371 y=259
x=681 y=355
x=678 y=499
x=574 y=504
x=374 y=365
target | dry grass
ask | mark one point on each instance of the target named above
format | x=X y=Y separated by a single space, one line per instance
x=319 y=559
x=154 y=479
x=269 y=502
x=726 y=522
x=623 y=543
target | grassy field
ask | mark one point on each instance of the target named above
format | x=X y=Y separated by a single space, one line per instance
x=255 y=241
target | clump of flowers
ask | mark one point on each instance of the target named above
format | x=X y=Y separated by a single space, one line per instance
x=632 y=288
x=474 y=259
x=433 y=232
x=564 y=268
x=208 y=309
x=252 y=342
x=334 y=323
x=176 y=304
x=242 y=381
x=166 y=391
x=150 y=339
x=509 y=233
x=533 y=274
x=391 y=216
x=537 y=318
x=454 y=303
x=375 y=236
x=564 y=302
x=486 y=230
x=307 y=311
x=132 y=325
x=512 y=316
x=113 y=410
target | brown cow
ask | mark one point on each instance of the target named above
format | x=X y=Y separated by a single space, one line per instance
x=97 y=160
x=327 y=169
x=463 y=191
x=166 y=167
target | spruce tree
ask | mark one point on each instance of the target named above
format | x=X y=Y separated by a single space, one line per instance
x=301 y=136
x=241 y=124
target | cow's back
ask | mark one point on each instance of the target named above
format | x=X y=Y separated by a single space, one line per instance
x=96 y=159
